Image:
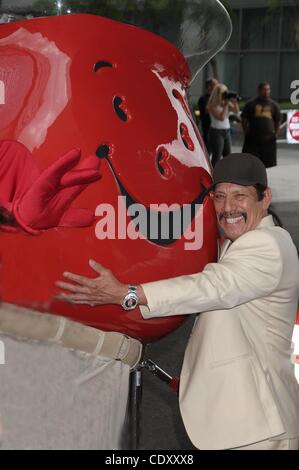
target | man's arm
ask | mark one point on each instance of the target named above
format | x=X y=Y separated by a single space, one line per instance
x=245 y=119
x=250 y=269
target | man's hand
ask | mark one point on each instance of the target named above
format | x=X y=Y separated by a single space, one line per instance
x=104 y=289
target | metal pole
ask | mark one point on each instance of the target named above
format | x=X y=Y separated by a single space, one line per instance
x=135 y=395
x=134 y=407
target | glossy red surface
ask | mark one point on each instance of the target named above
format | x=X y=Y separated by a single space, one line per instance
x=102 y=86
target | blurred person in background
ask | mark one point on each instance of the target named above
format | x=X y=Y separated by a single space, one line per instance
x=204 y=116
x=261 y=121
x=219 y=106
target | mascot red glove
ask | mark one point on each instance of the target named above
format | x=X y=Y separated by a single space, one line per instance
x=36 y=202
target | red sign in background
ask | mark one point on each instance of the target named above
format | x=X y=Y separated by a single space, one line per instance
x=294 y=126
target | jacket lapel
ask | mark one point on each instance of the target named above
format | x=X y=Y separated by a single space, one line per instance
x=224 y=248
x=267 y=221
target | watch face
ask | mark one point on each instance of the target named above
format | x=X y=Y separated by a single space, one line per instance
x=130 y=301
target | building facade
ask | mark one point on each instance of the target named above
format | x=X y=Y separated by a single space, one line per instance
x=264 y=46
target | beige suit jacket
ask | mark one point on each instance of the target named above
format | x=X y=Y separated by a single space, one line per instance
x=237 y=382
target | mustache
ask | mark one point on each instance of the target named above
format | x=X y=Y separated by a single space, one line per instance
x=232 y=215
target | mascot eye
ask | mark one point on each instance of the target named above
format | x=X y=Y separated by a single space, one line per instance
x=118 y=102
x=100 y=64
x=119 y=108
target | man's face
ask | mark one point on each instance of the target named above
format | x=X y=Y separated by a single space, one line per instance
x=238 y=209
x=265 y=91
x=211 y=85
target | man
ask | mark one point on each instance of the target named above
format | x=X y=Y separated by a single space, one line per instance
x=238 y=389
x=204 y=116
x=261 y=120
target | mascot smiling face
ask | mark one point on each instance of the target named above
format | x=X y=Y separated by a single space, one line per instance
x=117 y=94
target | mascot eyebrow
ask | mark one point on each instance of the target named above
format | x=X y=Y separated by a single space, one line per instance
x=117 y=100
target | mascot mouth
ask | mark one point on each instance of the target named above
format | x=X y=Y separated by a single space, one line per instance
x=177 y=222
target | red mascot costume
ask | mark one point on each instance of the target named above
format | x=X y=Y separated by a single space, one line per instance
x=94 y=123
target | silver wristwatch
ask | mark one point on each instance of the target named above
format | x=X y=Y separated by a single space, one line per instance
x=130 y=300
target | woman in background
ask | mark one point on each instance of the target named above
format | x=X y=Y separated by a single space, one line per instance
x=219 y=106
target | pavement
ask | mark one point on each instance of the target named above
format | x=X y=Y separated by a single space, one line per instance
x=284 y=178
x=161 y=426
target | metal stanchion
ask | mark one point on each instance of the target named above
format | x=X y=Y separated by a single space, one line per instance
x=135 y=395
x=134 y=407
